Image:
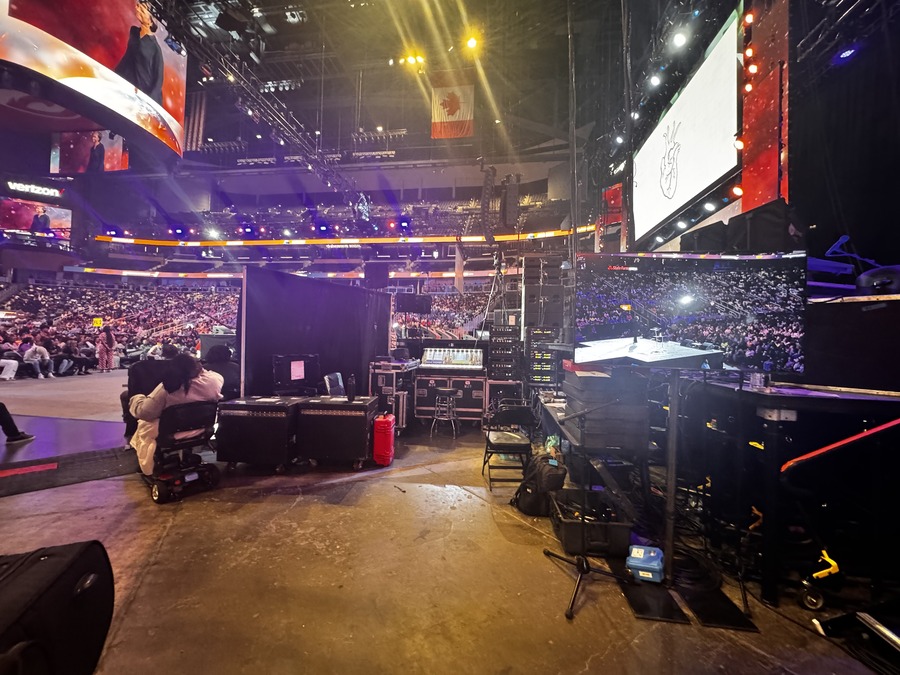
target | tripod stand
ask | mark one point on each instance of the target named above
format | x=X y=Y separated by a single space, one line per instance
x=580 y=562
x=583 y=566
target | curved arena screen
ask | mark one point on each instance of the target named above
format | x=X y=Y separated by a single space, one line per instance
x=692 y=146
x=96 y=49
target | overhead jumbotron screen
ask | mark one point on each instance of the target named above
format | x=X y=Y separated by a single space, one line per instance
x=692 y=311
x=692 y=147
x=101 y=51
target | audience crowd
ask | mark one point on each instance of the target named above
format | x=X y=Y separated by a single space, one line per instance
x=53 y=331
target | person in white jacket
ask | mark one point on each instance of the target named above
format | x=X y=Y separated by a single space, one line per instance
x=39 y=359
x=187 y=381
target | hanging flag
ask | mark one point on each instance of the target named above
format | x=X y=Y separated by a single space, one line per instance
x=452 y=105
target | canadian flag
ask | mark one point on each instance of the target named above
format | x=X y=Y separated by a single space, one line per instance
x=452 y=105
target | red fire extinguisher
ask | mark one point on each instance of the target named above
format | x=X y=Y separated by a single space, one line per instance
x=383 y=451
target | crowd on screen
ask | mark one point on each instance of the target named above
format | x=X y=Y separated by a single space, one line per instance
x=753 y=316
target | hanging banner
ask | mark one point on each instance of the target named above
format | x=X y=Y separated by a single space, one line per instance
x=452 y=104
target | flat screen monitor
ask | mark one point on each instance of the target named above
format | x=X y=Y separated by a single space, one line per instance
x=295 y=371
x=692 y=311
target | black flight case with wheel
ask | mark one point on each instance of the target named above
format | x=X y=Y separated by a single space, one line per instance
x=56 y=605
x=258 y=430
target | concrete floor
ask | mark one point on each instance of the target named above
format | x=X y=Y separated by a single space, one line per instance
x=415 y=568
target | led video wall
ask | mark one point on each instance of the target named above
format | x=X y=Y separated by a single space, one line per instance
x=87 y=152
x=692 y=147
x=37 y=218
x=114 y=52
x=732 y=312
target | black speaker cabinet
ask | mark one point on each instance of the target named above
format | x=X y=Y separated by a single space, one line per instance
x=765 y=229
x=709 y=239
x=376 y=275
x=258 y=430
x=332 y=428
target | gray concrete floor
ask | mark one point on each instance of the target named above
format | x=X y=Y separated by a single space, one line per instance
x=412 y=568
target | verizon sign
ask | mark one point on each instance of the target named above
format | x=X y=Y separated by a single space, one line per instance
x=34 y=189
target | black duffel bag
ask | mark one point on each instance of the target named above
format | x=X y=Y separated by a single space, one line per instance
x=542 y=475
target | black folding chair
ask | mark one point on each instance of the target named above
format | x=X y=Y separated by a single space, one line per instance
x=508 y=434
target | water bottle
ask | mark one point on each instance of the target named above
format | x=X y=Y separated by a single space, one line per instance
x=351 y=388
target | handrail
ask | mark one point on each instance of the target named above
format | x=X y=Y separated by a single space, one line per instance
x=802 y=459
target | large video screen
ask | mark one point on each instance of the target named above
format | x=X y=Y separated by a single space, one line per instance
x=692 y=311
x=37 y=218
x=692 y=147
x=113 y=52
x=87 y=152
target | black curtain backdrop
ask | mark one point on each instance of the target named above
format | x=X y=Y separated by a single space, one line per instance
x=844 y=144
x=285 y=314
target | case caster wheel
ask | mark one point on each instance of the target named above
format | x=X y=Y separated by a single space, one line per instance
x=811 y=598
x=230 y=467
x=212 y=476
x=281 y=469
x=357 y=465
x=313 y=463
x=160 y=493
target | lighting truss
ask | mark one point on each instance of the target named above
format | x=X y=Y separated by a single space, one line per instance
x=192 y=32
x=857 y=18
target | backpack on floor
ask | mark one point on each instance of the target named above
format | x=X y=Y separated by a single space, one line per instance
x=543 y=475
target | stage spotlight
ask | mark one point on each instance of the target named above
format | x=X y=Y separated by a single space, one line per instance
x=659 y=240
x=420 y=59
x=472 y=43
x=748 y=18
x=739 y=143
x=655 y=81
x=753 y=69
x=379 y=128
x=682 y=225
x=401 y=61
x=286 y=232
x=635 y=115
x=748 y=52
x=679 y=39
x=709 y=206
x=748 y=87
x=258 y=136
x=175 y=46
x=212 y=234
x=435 y=254
x=737 y=190
x=685 y=299
x=620 y=140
